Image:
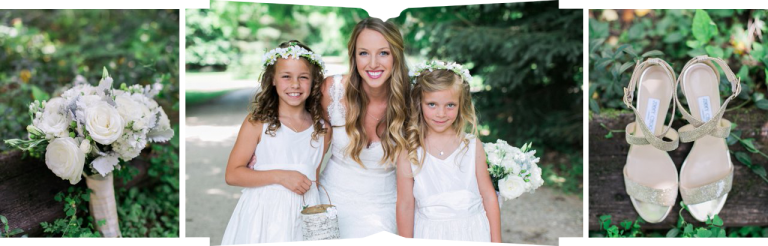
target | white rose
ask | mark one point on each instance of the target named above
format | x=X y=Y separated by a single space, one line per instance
x=54 y=121
x=132 y=110
x=65 y=159
x=84 y=103
x=536 y=177
x=511 y=187
x=103 y=123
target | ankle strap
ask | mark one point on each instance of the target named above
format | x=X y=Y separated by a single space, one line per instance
x=629 y=91
x=714 y=126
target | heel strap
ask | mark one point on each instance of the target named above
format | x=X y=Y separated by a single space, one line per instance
x=648 y=137
x=716 y=126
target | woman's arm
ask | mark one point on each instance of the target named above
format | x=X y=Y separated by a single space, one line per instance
x=405 y=200
x=490 y=201
x=238 y=173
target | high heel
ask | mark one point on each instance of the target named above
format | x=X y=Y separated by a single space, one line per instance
x=650 y=176
x=707 y=172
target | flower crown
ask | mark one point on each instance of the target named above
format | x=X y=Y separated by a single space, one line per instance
x=455 y=67
x=295 y=51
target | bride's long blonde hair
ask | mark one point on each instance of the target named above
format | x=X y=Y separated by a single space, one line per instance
x=392 y=140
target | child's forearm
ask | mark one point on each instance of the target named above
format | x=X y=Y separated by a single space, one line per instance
x=245 y=177
x=405 y=217
x=492 y=210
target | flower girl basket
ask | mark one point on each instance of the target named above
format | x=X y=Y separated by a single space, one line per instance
x=320 y=222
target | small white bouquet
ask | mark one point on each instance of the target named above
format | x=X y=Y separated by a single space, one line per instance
x=513 y=170
x=94 y=125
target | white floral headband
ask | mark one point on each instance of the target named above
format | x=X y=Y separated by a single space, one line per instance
x=455 y=67
x=295 y=51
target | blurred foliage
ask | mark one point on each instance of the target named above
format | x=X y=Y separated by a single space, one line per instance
x=234 y=35
x=620 y=38
x=42 y=51
x=526 y=62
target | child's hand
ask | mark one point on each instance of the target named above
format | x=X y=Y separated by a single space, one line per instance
x=252 y=162
x=295 y=181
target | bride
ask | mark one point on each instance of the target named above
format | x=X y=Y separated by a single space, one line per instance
x=367 y=109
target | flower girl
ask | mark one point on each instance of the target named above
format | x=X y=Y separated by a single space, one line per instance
x=288 y=138
x=444 y=177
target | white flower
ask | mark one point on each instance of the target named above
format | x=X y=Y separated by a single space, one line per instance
x=65 y=159
x=510 y=164
x=331 y=212
x=103 y=123
x=105 y=164
x=83 y=103
x=129 y=145
x=511 y=187
x=54 y=121
x=536 y=177
x=132 y=110
x=85 y=146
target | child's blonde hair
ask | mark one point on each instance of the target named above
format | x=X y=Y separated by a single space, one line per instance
x=466 y=120
x=264 y=107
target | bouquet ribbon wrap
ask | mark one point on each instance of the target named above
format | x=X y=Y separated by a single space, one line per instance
x=103 y=205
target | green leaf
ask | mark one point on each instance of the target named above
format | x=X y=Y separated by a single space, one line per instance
x=626 y=224
x=714 y=51
x=605 y=221
x=749 y=145
x=693 y=44
x=673 y=233
x=625 y=66
x=759 y=170
x=652 y=53
x=3 y=219
x=701 y=232
x=762 y=104
x=717 y=221
x=39 y=94
x=703 y=28
x=733 y=137
x=744 y=158
x=619 y=50
x=593 y=106
x=636 y=31
x=688 y=229
x=609 y=135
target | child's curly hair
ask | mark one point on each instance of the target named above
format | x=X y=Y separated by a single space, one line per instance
x=264 y=107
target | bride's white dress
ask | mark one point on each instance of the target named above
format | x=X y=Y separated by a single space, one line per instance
x=365 y=197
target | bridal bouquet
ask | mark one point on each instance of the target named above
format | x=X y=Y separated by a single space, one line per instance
x=513 y=170
x=89 y=127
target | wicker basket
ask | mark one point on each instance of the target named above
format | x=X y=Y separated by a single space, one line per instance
x=320 y=222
